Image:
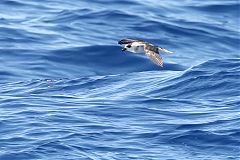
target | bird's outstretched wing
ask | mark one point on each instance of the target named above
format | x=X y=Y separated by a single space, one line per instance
x=127 y=41
x=155 y=57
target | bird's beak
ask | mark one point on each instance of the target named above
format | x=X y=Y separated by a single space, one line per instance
x=124 y=49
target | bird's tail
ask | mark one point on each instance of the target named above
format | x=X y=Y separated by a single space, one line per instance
x=164 y=50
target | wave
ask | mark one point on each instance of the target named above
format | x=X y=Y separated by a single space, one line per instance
x=210 y=80
x=214 y=78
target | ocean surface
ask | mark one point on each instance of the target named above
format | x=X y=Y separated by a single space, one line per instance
x=68 y=92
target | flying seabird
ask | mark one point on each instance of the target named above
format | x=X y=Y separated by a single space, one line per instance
x=140 y=46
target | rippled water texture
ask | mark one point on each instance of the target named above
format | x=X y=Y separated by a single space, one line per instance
x=69 y=92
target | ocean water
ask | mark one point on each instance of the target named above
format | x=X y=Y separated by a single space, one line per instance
x=68 y=92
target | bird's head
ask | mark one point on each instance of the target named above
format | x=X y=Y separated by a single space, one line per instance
x=127 y=47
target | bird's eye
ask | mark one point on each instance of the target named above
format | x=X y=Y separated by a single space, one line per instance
x=128 y=46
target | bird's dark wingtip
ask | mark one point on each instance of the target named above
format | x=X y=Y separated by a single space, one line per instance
x=119 y=42
x=129 y=40
x=123 y=41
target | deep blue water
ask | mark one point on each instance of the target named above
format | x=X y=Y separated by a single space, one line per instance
x=68 y=92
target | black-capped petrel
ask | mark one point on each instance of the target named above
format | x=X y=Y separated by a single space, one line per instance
x=140 y=46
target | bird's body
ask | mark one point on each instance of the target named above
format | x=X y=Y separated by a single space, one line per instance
x=136 y=47
x=140 y=46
